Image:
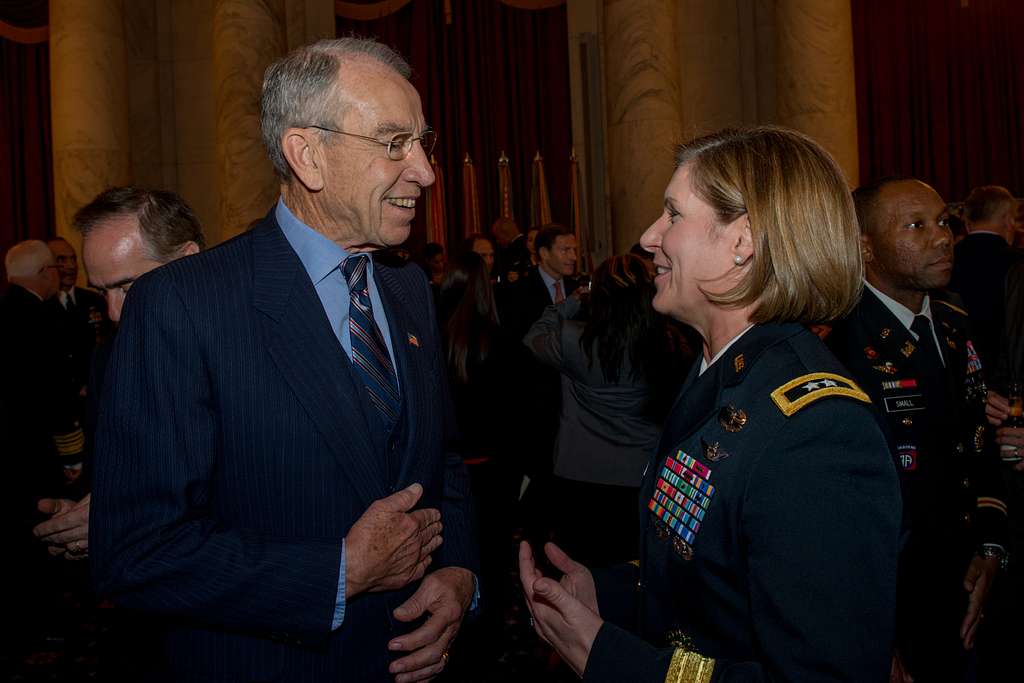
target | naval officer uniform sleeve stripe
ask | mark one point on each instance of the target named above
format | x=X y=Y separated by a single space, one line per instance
x=689 y=667
x=986 y=502
x=806 y=389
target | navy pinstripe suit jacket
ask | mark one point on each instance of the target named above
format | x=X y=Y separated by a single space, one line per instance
x=233 y=455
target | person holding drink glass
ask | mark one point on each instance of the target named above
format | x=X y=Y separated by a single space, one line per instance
x=770 y=512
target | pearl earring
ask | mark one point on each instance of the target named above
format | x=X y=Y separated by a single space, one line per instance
x=737 y=259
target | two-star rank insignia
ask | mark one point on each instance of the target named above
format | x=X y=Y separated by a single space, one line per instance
x=802 y=391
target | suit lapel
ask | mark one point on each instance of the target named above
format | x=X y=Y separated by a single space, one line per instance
x=302 y=345
x=408 y=337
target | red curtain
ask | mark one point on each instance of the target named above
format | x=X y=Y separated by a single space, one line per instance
x=940 y=92
x=496 y=78
x=26 y=157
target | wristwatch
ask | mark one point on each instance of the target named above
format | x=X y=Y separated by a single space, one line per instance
x=997 y=551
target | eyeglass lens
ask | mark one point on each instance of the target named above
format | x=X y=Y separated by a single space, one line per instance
x=401 y=145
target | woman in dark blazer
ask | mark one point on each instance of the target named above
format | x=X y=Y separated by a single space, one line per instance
x=612 y=406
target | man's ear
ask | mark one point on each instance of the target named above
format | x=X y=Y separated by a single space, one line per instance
x=302 y=150
x=189 y=248
x=865 y=248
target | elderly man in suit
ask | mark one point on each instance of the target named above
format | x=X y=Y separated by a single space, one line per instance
x=272 y=473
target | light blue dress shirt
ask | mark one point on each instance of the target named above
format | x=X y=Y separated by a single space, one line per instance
x=549 y=282
x=322 y=259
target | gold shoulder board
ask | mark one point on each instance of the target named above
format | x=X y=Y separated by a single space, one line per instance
x=950 y=306
x=802 y=391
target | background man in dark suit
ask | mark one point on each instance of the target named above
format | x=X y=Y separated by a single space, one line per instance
x=36 y=423
x=515 y=255
x=981 y=261
x=126 y=232
x=281 y=411
x=913 y=354
x=80 y=318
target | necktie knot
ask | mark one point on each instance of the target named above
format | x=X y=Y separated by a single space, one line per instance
x=922 y=327
x=559 y=294
x=354 y=270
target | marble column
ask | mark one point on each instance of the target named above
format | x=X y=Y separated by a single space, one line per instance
x=89 y=104
x=815 y=88
x=192 y=110
x=726 y=50
x=247 y=36
x=644 y=116
x=308 y=21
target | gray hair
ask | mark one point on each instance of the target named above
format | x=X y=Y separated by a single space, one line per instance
x=26 y=259
x=297 y=89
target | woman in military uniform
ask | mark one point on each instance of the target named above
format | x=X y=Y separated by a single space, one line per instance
x=770 y=514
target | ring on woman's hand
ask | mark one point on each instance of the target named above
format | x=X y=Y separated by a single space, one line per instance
x=444 y=657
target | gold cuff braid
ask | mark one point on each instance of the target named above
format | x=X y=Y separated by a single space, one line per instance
x=689 y=667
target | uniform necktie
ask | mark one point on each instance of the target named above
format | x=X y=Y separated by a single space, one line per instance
x=559 y=294
x=369 y=352
x=922 y=327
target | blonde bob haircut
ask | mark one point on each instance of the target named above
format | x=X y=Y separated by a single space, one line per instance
x=807 y=266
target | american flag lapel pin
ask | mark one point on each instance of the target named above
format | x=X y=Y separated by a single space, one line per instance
x=413 y=341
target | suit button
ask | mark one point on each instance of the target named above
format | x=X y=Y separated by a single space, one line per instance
x=967 y=518
x=966 y=483
x=960 y=449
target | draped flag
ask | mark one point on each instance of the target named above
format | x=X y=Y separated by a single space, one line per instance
x=576 y=216
x=437 y=226
x=505 y=186
x=470 y=201
x=540 y=203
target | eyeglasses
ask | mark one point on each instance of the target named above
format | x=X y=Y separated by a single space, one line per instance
x=399 y=145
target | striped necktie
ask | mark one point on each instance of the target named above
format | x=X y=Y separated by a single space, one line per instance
x=369 y=352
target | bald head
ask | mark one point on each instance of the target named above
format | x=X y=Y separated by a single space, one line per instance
x=505 y=230
x=30 y=264
x=991 y=208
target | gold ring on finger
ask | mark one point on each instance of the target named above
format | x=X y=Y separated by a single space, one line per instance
x=444 y=657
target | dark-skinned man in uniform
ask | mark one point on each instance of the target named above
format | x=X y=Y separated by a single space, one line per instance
x=912 y=353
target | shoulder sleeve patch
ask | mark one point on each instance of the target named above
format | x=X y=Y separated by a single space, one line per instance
x=805 y=390
x=950 y=306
